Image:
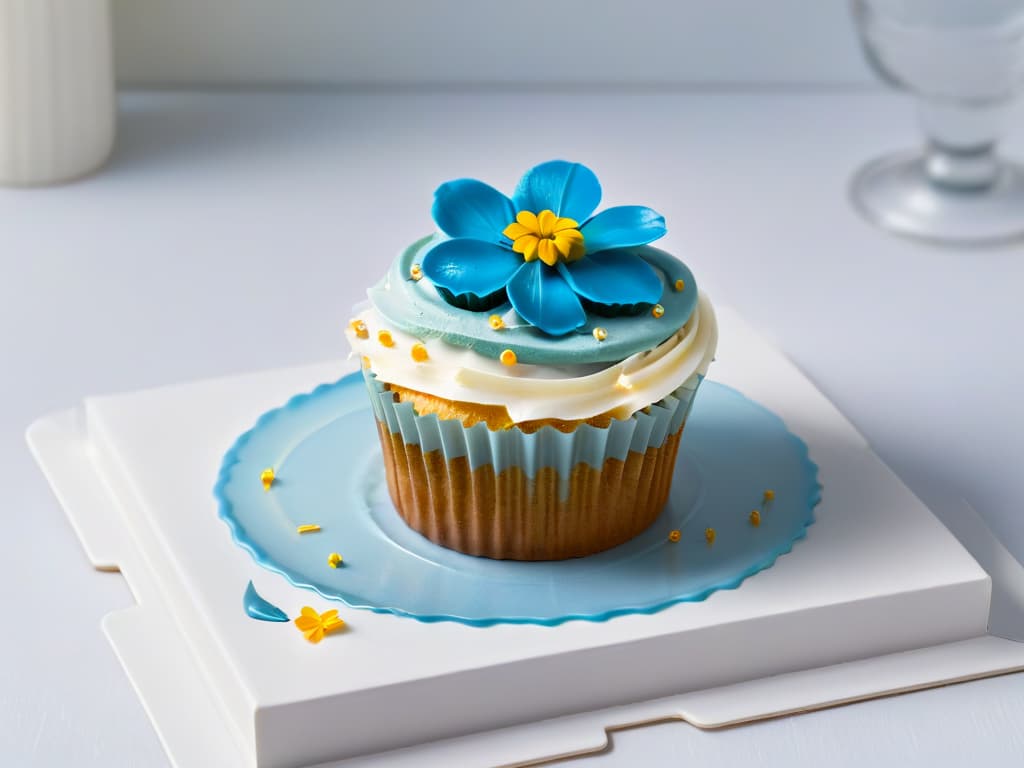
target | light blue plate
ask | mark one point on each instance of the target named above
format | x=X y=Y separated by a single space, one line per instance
x=325 y=452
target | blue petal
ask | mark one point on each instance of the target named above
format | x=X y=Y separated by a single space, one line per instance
x=568 y=189
x=544 y=300
x=622 y=227
x=470 y=208
x=470 y=266
x=613 y=277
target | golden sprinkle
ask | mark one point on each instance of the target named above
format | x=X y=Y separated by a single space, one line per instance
x=755 y=517
x=680 y=285
x=419 y=352
x=366 y=361
x=709 y=535
x=334 y=560
x=385 y=338
x=600 y=334
x=359 y=329
x=310 y=528
x=657 y=310
x=416 y=272
x=496 y=322
x=508 y=357
x=674 y=536
x=267 y=478
x=314 y=626
x=769 y=495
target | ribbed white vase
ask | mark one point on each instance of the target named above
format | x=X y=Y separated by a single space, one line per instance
x=56 y=89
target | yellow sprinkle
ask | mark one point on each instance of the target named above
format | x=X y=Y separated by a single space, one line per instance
x=385 y=338
x=267 y=478
x=755 y=517
x=769 y=495
x=674 y=536
x=359 y=329
x=496 y=322
x=311 y=528
x=680 y=285
x=416 y=272
x=419 y=352
x=657 y=310
x=508 y=357
x=314 y=625
x=709 y=535
x=366 y=361
x=333 y=624
x=600 y=334
x=334 y=560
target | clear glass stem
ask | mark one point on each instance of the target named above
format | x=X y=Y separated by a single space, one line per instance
x=956 y=169
x=960 y=153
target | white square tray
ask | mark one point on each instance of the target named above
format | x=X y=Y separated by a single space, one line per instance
x=880 y=598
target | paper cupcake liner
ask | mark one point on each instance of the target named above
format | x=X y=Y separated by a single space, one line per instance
x=545 y=495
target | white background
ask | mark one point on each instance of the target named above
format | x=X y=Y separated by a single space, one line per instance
x=542 y=42
x=232 y=232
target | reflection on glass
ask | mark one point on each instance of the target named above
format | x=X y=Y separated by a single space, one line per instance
x=964 y=60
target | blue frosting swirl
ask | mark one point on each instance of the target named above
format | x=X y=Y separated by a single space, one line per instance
x=416 y=307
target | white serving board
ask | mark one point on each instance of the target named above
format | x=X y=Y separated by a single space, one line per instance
x=880 y=598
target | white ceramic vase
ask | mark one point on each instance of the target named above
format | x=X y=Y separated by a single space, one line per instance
x=57 y=107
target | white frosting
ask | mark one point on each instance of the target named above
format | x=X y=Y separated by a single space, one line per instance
x=543 y=391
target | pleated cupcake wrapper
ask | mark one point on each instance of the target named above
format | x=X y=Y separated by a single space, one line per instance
x=546 y=447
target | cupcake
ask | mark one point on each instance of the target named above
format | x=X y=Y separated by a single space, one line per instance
x=531 y=367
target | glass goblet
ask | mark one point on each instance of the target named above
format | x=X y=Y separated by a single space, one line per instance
x=964 y=60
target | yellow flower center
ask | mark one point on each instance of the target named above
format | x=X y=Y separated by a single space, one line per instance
x=545 y=236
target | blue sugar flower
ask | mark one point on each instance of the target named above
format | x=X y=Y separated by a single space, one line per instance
x=532 y=248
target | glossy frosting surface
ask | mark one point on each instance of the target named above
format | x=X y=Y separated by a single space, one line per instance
x=259 y=608
x=416 y=308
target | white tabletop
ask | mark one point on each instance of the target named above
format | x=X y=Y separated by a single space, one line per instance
x=232 y=232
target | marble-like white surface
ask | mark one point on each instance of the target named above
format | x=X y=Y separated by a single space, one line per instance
x=232 y=231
